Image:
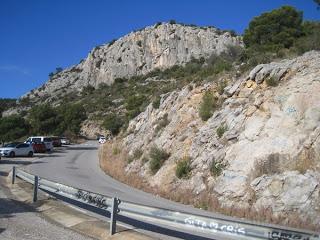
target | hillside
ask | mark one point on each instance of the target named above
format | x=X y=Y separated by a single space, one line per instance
x=197 y=116
x=259 y=149
x=156 y=47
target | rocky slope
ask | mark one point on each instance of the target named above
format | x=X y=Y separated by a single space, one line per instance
x=270 y=152
x=159 y=46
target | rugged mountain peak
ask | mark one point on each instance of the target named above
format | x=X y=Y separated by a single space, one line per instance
x=158 y=46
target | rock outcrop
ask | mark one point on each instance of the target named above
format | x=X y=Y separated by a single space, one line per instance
x=269 y=153
x=159 y=46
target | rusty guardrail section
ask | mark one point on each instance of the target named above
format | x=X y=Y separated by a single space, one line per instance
x=217 y=228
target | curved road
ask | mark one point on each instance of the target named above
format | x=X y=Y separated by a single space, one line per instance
x=78 y=166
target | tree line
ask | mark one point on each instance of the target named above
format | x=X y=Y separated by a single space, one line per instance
x=43 y=120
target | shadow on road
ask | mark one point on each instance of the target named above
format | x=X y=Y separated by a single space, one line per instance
x=2 y=230
x=10 y=207
x=82 y=148
x=132 y=222
x=22 y=162
x=49 y=156
x=4 y=174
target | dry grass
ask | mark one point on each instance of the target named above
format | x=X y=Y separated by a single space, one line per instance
x=114 y=165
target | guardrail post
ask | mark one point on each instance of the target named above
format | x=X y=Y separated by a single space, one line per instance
x=114 y=211
x=13 y=174
x=35 y=188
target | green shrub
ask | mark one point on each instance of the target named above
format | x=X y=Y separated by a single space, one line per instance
x=6 y=103
x=44 y=119
x=183 y=168
x=130 y=159
x=70 y=118
x=113 y=123
x=280 y=27
x=156 y=102
x=221 y=86
x=163 y=122
x=144 y=159
x=24 y=101
x=135 y=156
x=134 y=105
x=207 y=106
x=272 y=82
x=139 y=43
x=311 y=38
x=221 y=130
x=12 y=128
x=157 y=158
x=137 y=153
x=216 y=169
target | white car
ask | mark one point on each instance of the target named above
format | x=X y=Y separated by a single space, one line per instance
x=65 y=141
x=46 y=140
x=16 y=149
x=102 y=140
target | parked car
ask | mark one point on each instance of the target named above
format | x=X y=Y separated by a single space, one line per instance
x=65 y=141
x=56 y=141
x=39 y=147
x=16 y=149
x=46 y=140
x=102 y=140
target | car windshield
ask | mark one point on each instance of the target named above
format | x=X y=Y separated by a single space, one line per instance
x=47 y=140
x=36 y=140
x=11 y=145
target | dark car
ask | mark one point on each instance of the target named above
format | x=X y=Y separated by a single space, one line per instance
x=56 y=141
x=39 y=147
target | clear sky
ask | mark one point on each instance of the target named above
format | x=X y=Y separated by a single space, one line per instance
x=36 y=36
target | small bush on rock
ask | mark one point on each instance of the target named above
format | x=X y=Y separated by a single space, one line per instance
x=157 y=158
x=183 y=168
x=221 y=130
x=208 y=106
x=163 y=122
x=272 y=82
x=113 y=123
x=216 y=169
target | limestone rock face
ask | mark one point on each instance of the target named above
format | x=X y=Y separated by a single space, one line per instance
x=269 y=152
x=158 y=46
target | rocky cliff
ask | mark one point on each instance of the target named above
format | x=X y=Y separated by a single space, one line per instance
x=160 y=46
x=268 y=154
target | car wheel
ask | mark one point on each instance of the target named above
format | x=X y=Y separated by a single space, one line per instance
x=30 y=154
x=12 y=154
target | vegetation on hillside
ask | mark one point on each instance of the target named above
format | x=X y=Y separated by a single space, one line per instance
x=13 y=128
x=278 y=34
x=43 y=120
x=6 y=103
x=273 y=35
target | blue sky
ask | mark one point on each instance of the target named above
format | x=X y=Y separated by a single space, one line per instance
x=36 y=36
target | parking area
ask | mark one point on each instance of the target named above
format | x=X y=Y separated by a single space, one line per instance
x=6 y=163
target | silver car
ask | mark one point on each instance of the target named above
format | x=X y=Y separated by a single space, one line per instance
x=16 y=149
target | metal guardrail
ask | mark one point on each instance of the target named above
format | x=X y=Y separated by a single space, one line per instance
x=217 y=228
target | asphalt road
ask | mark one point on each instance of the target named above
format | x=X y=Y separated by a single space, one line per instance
x=78 y=166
